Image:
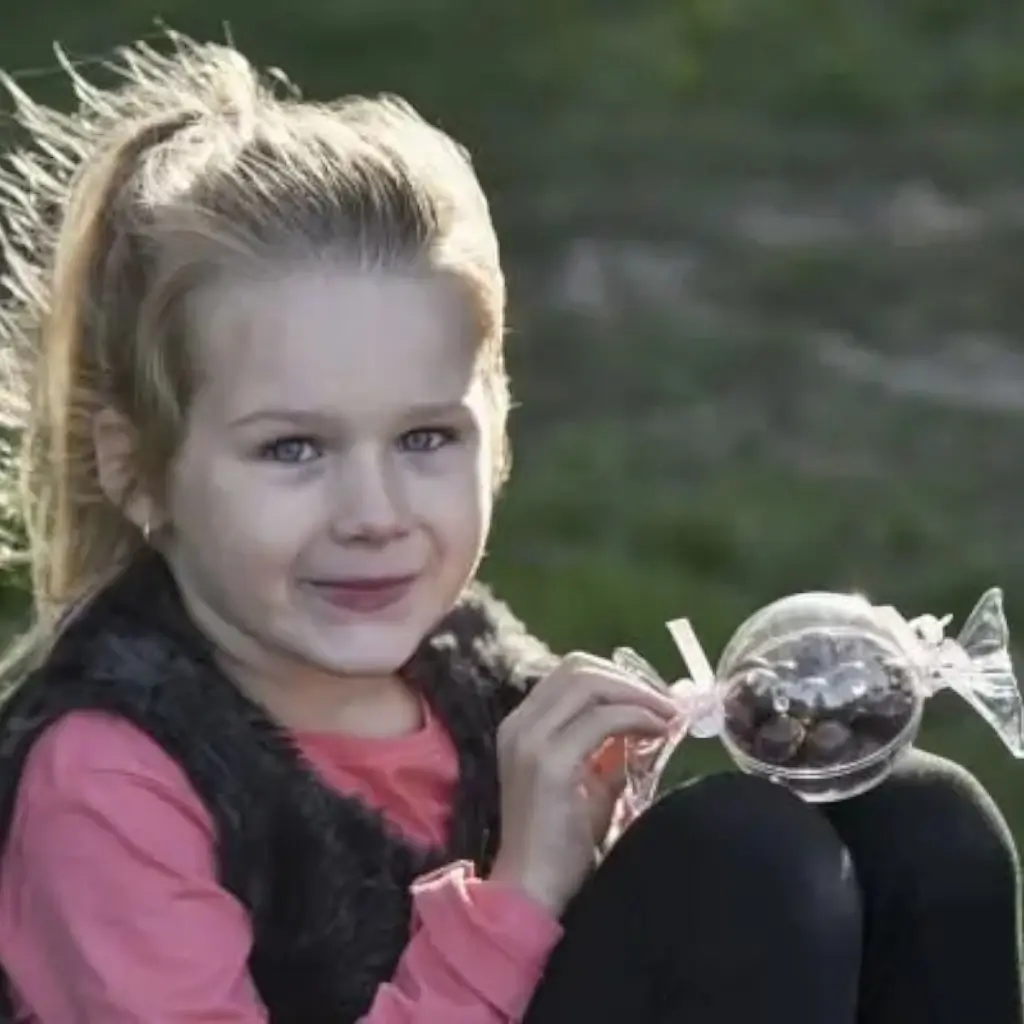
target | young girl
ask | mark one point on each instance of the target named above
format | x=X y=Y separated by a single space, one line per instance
x=272 y=755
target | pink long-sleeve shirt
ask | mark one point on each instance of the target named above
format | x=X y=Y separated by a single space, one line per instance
x=111 y=912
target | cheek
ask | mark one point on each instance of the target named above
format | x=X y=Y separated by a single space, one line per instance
x=456 y=507
x=229 y=518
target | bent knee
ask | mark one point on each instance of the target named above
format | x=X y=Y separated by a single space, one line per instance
x=768 y=854
x=936 y=821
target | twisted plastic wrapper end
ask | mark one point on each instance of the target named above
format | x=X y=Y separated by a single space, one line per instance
x=976 y=665
x=700 y=706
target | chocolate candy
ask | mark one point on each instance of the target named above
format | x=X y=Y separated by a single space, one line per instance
x=779 y=739
x=818 y=702
x=741 y=713
x=750 y=703
x=823 y=692
x=829 y=742
x=883 y=717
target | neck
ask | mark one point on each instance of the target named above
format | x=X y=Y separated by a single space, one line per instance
x=306 y=700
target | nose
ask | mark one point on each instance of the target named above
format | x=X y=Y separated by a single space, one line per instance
x=368 y=504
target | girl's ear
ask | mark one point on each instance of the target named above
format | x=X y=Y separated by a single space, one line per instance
x=115 y=443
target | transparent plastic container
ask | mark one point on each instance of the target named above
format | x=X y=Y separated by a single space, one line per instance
x=819 y=693
x=824 y=692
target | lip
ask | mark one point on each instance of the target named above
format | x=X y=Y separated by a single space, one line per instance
x=363 y=594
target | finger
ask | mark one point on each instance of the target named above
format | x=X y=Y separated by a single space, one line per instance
x=646 y=679
x=580 y=738
x=585 y=694
x=591 y=681
x=550 y=690
x=535 y=728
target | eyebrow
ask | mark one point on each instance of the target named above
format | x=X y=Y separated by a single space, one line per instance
x=425 y=410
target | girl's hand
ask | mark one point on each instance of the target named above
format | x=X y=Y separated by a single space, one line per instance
x=557 y=794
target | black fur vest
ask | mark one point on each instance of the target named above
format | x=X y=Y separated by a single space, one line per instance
x=324 y=878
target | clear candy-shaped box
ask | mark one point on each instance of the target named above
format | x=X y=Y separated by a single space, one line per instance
x=823 y=692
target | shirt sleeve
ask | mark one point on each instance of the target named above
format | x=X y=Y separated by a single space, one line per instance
x=111 y=912
x=477 y=953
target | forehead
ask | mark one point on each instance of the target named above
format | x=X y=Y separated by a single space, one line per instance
x=360 y=343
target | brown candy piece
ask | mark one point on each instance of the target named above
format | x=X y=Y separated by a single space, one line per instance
x=807 y=707
x=779 y=739
x=884 y=717
x=747 y=707
x=829 y=743
x=740 y=714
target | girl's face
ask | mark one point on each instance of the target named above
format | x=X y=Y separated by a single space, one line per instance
x=333 y=492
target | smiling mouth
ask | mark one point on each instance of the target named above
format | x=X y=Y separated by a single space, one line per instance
x=365 y=595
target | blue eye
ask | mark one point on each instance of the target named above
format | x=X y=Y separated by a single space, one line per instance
x=291 y=450
x=426 y=439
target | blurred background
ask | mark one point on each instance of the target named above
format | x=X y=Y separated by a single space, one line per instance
x=764 y=261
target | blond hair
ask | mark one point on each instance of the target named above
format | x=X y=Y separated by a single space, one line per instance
x=112 y=216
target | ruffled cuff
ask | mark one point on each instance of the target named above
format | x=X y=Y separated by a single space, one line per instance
x=492 y=935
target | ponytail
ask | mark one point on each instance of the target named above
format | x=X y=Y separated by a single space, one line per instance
x=59 y=246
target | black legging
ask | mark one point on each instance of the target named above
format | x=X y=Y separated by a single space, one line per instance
x=730 y=901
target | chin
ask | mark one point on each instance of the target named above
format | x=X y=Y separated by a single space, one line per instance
x=367 y=650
